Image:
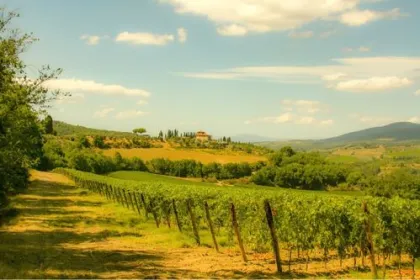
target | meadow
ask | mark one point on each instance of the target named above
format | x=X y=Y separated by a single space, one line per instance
x=202 y=156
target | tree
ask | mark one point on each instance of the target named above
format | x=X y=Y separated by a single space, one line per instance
x=84 y=142
x=49 y=129
x=98 y=142
x=23 y=101
x=139 y=131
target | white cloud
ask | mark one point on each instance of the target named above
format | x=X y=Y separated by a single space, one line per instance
x=303 y=106
x=142 y=102
x=333 y=77
x=94 y=87
x=130 y=114
x=182 y=35
x=301 y=34
x=103 y=113
x=143 y=38
x=354 y=73
x=241 y=17
x=90 y=39
x=374 y=84
x=361 y=17
x=73 y=99
x=414 y=120
x=417 y=92
x=327 y=122
x=373 y=120
x=364 y=49
x=360 y=49
x=305 y=120
x=232 y=30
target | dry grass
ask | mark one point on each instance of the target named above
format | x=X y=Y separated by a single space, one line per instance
x=178 y=154
x=361 y=153
x=66 y=232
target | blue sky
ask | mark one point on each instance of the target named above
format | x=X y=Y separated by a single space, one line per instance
x=278 y=68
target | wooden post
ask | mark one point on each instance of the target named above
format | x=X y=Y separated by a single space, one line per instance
x=206 y=207
x=168 y=216
x=275 y=242
x=126 y=199
x=237 y=231
x=146 y=211
x=130 y=195
x=178 y=222
x=137 y=203
x=155 y=216
x=193 y=222
x=369 y=239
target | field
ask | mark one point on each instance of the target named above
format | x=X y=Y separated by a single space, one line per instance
x=67 y=232
x=149 y=177
x=177 y=154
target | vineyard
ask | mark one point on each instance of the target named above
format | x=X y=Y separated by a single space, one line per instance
x=357 y=231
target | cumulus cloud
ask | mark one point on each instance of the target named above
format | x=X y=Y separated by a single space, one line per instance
x=353 y=74
x=142 y=102
x=301 y=34
x=130 y=114
x=103 y=113
x=73 y=99
x=361 y=17
x=373 y=120
x=182 y=35
x=414 y=120
x=91 y=39
x=303 y=106
x=241 y=17
x=89 y=86
x=143 y=38
x=232 y=30
x=374 y=84
x=290 y=118
x=326 y=122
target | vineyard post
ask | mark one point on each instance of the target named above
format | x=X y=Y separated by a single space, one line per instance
x=193 y=221
x=146 y=212
x=178 y=222
x=168 y=216
x=126 y=199
x=206 y=207
x=368 y=232
x=155 y=216
x=130 y=195
x=137 y=203
x=119 y=196
x=275 y=242
x=237 y=232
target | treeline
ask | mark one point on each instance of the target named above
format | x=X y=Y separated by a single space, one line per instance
x=312 y=171
x=21 y=102
x=56 y=154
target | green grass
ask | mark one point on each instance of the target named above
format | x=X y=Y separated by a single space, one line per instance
x=145 y=176
x=343 y=159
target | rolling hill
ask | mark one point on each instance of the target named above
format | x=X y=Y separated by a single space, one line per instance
x=393 y=133
x=65 y=129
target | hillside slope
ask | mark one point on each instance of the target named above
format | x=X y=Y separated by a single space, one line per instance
x=400 y=131
x=65 y=129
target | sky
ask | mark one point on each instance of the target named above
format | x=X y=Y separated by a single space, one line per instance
x=277 y=68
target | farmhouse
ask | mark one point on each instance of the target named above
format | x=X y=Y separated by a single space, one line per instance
x=202 y=136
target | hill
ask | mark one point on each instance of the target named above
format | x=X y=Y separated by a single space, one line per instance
x=399 y=131
x=65 y=129
x=391 y=134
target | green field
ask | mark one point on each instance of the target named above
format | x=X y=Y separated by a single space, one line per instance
x=149 y=177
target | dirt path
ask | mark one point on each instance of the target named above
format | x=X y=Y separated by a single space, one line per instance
x=62 y=231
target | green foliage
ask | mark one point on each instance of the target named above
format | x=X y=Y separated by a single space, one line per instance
x=48 y=122
x=139 y=131
x=22 y=102
x=84 y=142
x=403 y=182
x=303 y=221
x=98 y=142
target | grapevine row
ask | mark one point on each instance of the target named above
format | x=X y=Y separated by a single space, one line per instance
x=260 y=221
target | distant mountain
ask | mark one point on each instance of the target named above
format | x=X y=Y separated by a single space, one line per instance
x=251 y=138
x=393 y=133
x=65 y=129
x=399 y=131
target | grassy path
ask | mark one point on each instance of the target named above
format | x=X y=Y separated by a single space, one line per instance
x=62 y=231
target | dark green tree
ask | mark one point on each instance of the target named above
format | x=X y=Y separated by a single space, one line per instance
x=49 y=128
